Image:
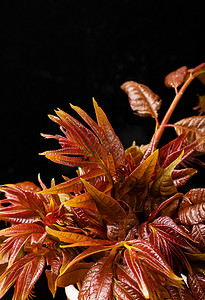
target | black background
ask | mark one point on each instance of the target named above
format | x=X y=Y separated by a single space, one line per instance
x=61 y=52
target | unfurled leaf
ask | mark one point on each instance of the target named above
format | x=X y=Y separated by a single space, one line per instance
x=72 y=238
x=97 y=284
x=95 y=176
x=181 y=176
x=75 y=274
x=195 y=126
x=198 y=234
x=148 y=269
x=109 y=208
x=84 y=201
x=196 y=282
x=173 y=233
x=123 y=291
x=180 y=294
x=21 y=205
x=176 y=78
x=192 y=208
x=25 y=272
x=86 y=253
x=110 y=140
x=142 y=100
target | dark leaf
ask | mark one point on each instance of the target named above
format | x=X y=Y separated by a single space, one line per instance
x=201 y=105
x=198 y=234
x=199 y=71
x=142 y=100
x=180 y=294
x=196 y=285
x=176 y=78
x=181 y=176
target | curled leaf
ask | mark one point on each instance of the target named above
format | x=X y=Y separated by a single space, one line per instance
x=143 y=101
x=176 y=78
x=195 y=126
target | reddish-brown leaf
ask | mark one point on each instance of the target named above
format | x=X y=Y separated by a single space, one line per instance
x=26 y=271
x=123 y=291
x=95 y=176
x=196 y=282
x=181 y=176
x=163 y=186
x=97 y=284
x=192 y=208
x=21 y=205
x=140 y=176
x=75 y=274
x=198 y=234
x=195 y=126
x=86 y=253
x=54 y=261
x=173 y=233
x=176 y=78
x=108 y=207
x=143 y=101
x=179 y=294
x=113 y=145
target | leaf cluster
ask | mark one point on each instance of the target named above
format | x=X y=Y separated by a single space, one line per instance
x=122 y=228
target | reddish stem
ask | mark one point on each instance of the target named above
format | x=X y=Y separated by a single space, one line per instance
x=171 y=109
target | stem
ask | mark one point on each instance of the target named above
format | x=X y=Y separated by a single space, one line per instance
x=171 y=109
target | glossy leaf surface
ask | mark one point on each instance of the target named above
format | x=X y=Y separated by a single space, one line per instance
x=143 y=101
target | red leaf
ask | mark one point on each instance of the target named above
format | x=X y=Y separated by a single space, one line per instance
x=198 y=234
x=192 y=208
x=21 y=205
x=97 y=284
x=176 y=78
x=195 y=126
x=26 y=271
x=196 y=286
x=172 y=232
x=110 y=140
x=140 y=176
x=123 y=291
